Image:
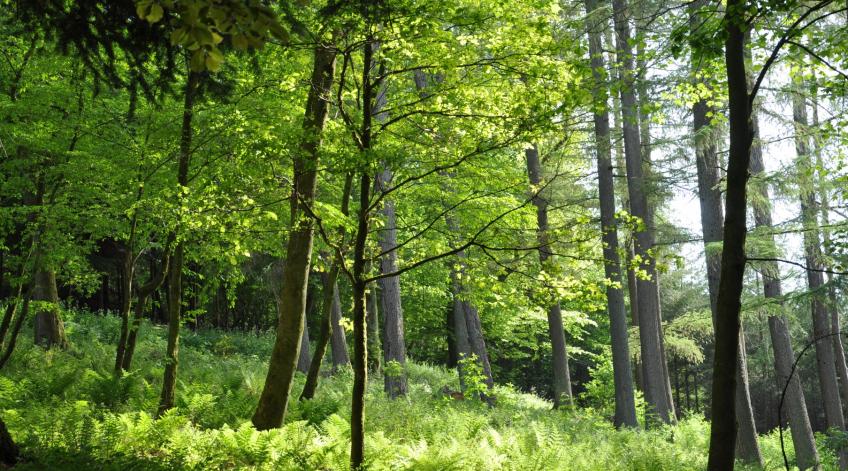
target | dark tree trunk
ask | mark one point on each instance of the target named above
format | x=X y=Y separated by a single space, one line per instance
x=728 y=303
x=478 y=343
x=275 y=395
x=338 y=343
x=625 y=405
x=656 y=381
x=394 y=343
x=175 y=265
x=16 y=329
x=712 y=219
x=126 y=301
x=8 y=449
x=327 y=300
x=556 y=331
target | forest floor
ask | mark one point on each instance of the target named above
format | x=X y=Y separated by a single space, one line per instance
x=68 y=412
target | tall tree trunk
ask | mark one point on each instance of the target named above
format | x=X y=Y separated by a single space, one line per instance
x=341 y=359
x=656 y=381
x=127 y=264
x=394 y=346
x=825 y=360
x=556 y=331
x=712 y=219
x=803 y=440
x=474 y=329
x=275 y=395
x=16 y=329
x=625 y=405
x=728 y=302
x=373 y=321
x=175 y=265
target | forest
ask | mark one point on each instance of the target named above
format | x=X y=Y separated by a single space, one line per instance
x=423 y=234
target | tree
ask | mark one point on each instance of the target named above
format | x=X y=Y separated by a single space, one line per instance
x=625 y=407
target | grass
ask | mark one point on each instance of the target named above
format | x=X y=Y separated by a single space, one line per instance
x=67 y=411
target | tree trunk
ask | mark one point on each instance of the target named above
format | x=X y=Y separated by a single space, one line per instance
x=175 y=265
x=16 y=329
x=478 y=343
x=394 y=346
x=459 y=328
x=49 y=328
x=561 y=376
x=9 y=451
x=341 y=359
x=126 y=301
x=303 y=357
x=656 y=381
x=144 y=292
x=373 y=321
x=327 y=301
x=625 y=405
x=275 y=395
x=712 y=219
x=825 y=359
x=360 y=342
x=728 y=302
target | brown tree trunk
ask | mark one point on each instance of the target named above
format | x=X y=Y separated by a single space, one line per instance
x=303 y=357
x=728 y=303
x=556 y=331
x=126 y=302
x=656 y=381
x=16 y=329
x=459 y=328
x=625 y=405
x=327 y=301
x=144 y=292
x=275 y=395
x=175 y=265
x=712 y=219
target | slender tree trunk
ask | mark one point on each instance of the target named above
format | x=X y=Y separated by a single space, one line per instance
x=728 y=303
x=126 y=306
x=625 y=405
x=478 y=343
x=275 y=395
x=712 y=219
x=656 y=382
x=825 y=359
x=144 y=292
x=556 y=331
x=324 y=334
x=175 y=265
x=373 y=321
x=16 y=329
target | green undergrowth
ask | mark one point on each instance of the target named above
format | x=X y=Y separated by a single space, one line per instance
x=68 y=412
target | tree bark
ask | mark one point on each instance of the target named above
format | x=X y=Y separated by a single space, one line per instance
x=49 y=328
x=394 y=346
x=341 y=359
x=373 y=321
x=303 y=357
x=728 y=302
x=273 y=402
x=712 y=219
x=459 y=328
x=175 y=265
x=9 y=451
x=625 y=405
x=16 y=329
x=656 y=381
x=825 y=359
x=327 y=301
x=144 y=292
x=556 y=331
